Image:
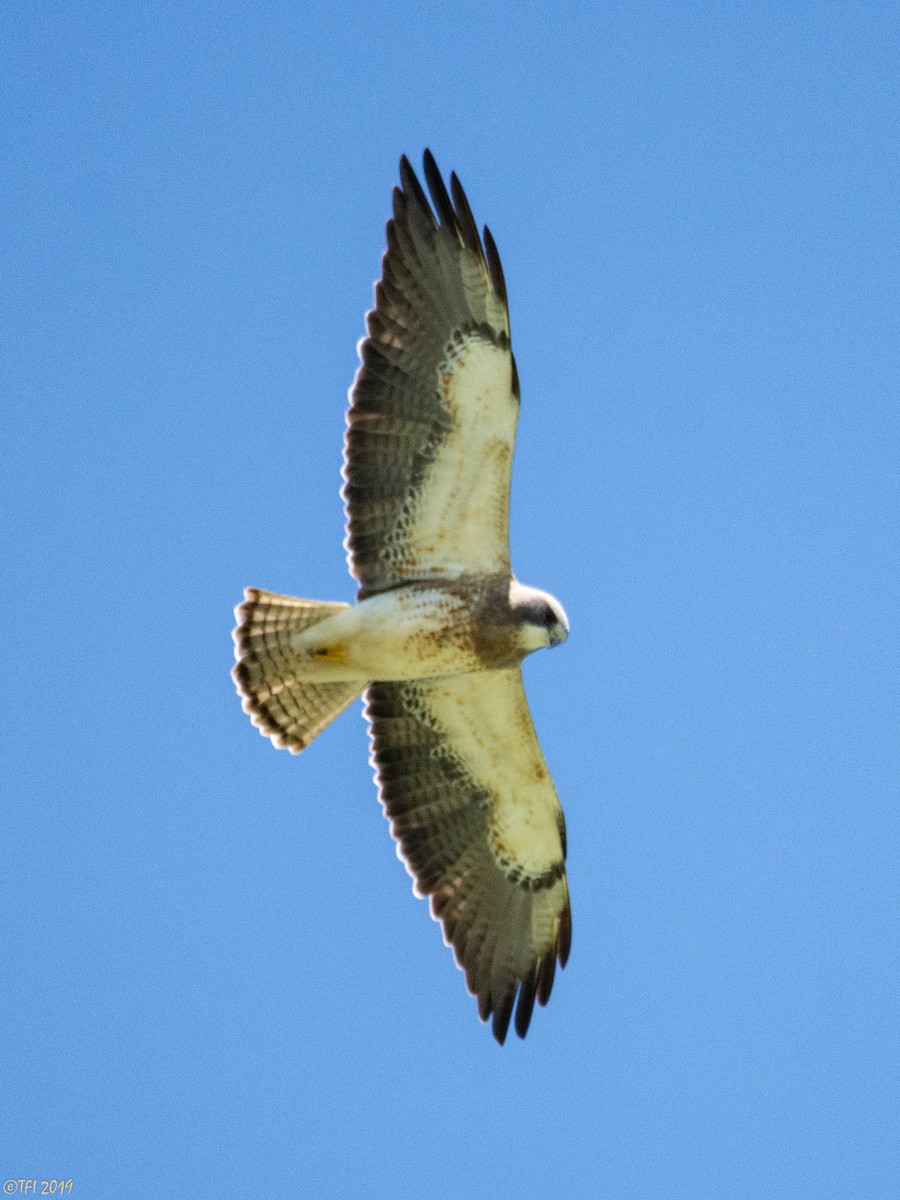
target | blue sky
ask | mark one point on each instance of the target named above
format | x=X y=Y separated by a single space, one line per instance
x=218 y=980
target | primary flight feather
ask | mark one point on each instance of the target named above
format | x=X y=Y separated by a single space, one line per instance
x=441 y=625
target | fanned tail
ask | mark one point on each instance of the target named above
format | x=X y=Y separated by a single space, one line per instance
x=287 y=708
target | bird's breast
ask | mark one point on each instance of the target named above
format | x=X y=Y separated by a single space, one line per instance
x=413 y=632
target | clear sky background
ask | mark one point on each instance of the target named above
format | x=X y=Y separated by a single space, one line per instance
x=217 y=979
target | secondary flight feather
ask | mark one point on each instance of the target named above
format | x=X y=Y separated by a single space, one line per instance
x=441 y=625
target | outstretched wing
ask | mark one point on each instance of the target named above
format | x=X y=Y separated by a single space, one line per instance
x=434 y=406
x=479 y=825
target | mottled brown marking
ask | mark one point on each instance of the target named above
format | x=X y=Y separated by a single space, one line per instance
x=336 y=652
x=494 y=632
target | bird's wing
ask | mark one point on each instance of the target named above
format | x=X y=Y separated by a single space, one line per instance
x=434 y=406
x=479 y=825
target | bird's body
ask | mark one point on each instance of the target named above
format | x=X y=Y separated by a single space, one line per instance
x=420 y=630
x=441 y=625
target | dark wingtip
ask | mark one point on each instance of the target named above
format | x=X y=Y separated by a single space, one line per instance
x=494 y=266
x=525 y=1007
x=464 y=220
x=412 y=189
x=564 y=939
x=545 y=976
x=484 y=1005
x=449 y=210
x=502 y=1016
x=439 y=195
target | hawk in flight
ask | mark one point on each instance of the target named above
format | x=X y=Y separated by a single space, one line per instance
x=441 y=624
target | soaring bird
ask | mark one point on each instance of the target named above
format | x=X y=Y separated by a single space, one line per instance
x=441 y=625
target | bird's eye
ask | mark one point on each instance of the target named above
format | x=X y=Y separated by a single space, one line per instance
x=549 y=618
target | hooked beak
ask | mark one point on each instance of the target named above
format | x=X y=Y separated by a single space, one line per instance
x=558 y=634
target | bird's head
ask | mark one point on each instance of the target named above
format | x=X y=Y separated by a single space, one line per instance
x=541 y=618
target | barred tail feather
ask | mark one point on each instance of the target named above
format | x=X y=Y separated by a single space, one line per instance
x=287 y=708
